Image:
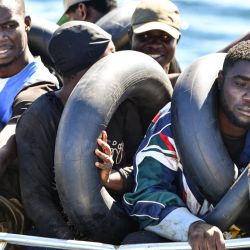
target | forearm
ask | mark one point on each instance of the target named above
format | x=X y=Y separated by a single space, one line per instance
x=114 y=181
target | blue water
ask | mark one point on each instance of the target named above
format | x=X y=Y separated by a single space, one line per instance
x=207 y=25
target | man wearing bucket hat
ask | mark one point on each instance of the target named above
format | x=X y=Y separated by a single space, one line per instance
x=74 y=47
x=155 y=31
x=86 y=10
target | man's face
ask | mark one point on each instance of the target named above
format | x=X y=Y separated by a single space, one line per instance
x=235 y=94
x=13 y=37
x=157 y=44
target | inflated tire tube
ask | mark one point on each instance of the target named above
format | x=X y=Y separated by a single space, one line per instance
x=198 y=140
x=233 y=204
x=88 y=111
x=39 y=37
x=117 y=23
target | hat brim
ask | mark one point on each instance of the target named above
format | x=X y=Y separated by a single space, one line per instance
x=141 y=28
x=62 y=20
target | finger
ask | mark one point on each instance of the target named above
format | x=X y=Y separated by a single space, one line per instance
x=104 y=166
x=211 y=244
x=220 y=242
x=105 y=147
x=104 y=157
x=104 y=136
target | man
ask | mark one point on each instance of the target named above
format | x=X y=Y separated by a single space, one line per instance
x=74 y=47
x=22 y=79
x=155 y=31
x=86 y=10
x=163 y=205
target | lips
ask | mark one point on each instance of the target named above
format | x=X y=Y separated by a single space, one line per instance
x=244 y=111
x=4 y=51
x=155 y=56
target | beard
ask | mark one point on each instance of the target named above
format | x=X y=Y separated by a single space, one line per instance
x=231 y=115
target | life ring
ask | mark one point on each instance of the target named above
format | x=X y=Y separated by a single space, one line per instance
x=39 y=37
x=88 y=111
x=199 y=142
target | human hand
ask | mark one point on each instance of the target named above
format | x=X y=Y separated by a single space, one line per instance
x=202 y=236
x=105 y=156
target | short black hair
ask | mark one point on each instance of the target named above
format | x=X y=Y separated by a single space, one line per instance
x=239 y=52
x=103 y=6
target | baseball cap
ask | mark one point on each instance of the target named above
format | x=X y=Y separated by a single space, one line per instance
x=156 y=15
x=77 y=45
x=66 y=5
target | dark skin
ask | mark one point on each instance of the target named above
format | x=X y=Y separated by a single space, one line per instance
x=84 y=13
x=14 y=56
x=159 y=45
x=234 y=121
x=14 y=52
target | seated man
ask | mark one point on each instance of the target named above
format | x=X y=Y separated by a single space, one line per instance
x=162 y=200
x=86 y=10
x=74 y=48
x=22 y=79
x=155 y=31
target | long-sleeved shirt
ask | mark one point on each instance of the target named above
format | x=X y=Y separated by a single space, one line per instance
x=164 y=200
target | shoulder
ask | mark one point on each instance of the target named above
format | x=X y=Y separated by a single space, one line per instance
x=33 y=91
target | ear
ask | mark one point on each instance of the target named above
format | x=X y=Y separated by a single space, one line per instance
x=27 y=21
x=82 y=11
x=220 y=79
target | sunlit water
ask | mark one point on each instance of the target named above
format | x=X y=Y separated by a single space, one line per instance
x=207 y=25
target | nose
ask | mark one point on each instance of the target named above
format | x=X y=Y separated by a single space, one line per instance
x=3 y=36
x=246 y=96
x=154 y=43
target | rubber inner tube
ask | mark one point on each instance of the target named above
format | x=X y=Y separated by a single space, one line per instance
x=117 y=23
x=39 y=37
x=89 y=109
x=233 y=205
x=198 y=139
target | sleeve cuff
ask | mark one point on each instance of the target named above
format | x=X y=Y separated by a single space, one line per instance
x=175 y=225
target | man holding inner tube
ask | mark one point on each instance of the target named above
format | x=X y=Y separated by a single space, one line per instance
x=155 y=31
x=165 y=202
x=74 y=47
x=23 y=78
x=86 y=10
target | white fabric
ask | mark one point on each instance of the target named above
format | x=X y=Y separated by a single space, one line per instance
x=175 y=225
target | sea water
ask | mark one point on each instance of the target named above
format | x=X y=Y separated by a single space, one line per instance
x=207 y=25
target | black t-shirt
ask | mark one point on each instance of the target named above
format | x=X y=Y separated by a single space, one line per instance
x=234 y=146
x=36 y=136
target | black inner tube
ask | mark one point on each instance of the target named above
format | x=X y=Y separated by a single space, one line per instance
x=88 y=111
x=39 y=37
x=204 y=156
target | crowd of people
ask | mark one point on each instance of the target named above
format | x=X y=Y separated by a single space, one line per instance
x=144 y=173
